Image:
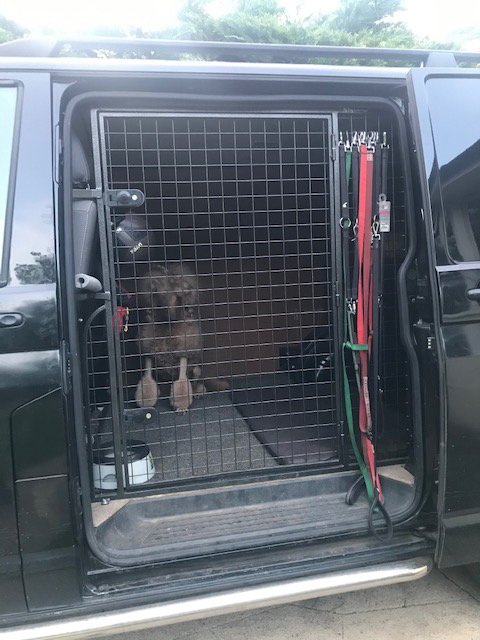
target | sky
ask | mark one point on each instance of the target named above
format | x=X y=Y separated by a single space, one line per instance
x=436 y=19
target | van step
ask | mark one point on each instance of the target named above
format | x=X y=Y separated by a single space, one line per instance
x=270 y=594
x=202 y=522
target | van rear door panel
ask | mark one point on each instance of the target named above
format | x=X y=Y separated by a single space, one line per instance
x=445 y=111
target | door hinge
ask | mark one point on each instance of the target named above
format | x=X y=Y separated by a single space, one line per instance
x=86 y=194
x=78 y=498
x=333 y=147
x=336 y=293
x=66 y=366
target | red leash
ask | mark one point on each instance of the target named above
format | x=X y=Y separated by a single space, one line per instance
x=365 y=305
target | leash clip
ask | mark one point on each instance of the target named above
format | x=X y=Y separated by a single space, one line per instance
x=352 y=306
x=375 y=229
x=372 y=138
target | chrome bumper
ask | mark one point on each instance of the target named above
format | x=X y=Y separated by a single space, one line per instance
x=134 y=619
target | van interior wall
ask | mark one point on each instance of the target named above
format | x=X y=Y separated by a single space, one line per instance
x=261 y=246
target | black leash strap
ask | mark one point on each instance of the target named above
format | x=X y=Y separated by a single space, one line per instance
x=355 y=187
x=376 y=291
x=345 y=221
x=377 y=506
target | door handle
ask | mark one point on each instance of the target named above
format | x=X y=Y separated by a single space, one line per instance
x=473 y=294
x=11 y=320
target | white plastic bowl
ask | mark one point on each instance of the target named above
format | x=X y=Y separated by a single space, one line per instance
x=140 y=466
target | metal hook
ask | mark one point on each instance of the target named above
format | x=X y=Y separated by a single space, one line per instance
x=348 y=146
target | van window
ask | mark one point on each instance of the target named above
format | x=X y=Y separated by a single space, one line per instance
x=454 y=105
x=8 y=103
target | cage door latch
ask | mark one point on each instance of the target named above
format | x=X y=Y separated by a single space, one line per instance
x=124 y=198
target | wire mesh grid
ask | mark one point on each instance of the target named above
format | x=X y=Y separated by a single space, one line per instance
x=230 y=268
x=235 y=229
x=394 y=428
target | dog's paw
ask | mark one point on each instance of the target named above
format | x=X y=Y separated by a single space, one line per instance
x=181 y=396
x=199 y=389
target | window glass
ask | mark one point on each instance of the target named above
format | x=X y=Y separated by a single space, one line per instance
x=454 y=105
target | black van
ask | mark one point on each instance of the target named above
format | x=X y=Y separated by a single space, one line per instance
x=239 y=309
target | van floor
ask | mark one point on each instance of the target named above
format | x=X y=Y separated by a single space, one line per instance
x=234 y=517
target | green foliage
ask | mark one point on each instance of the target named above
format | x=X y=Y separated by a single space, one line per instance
x=356 y=16
x=355 y=23
x=40 y=271
x=371 y=23
x=9 y=30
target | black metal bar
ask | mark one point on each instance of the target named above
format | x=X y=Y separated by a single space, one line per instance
x=232 y=51
x=111 y=313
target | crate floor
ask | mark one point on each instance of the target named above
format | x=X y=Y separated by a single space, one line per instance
x=260 y=422
x=293 y=421
x=211 y=438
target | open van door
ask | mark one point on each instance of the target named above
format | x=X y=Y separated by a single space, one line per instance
x=445 y=113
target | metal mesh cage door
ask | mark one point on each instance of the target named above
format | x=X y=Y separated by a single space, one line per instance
x=238 y=208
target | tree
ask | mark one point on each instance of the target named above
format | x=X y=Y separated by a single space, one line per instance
x=40 y=271
x=371 y=23
x=355 y=22
x=9 y=30
x=359 y=15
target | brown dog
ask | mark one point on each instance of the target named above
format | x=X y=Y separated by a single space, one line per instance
x=171 y=332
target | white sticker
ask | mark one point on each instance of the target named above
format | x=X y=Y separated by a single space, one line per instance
x=384 y=214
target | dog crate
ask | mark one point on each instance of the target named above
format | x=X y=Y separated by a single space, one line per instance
x=245 y=202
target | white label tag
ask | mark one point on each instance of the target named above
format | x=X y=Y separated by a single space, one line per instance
x=384 y=215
